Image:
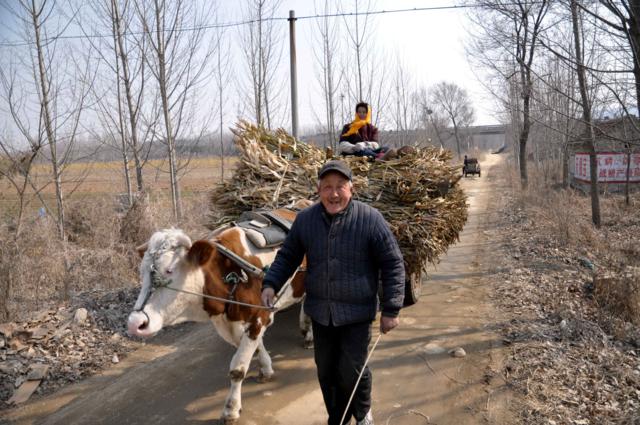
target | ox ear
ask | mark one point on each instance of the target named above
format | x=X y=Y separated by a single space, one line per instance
x=142 y=249
x=200 y=253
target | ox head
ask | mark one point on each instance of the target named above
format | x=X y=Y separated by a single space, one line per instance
x=168 y=260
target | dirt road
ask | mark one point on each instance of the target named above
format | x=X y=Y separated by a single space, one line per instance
x=181 y=377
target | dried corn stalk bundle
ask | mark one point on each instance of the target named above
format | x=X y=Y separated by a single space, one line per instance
x=264 y=177
x=416 y=193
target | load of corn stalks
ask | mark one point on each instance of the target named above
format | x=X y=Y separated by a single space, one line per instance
x=416 y=193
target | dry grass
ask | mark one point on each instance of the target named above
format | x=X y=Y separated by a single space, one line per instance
x=37 y=270
x=573 y=291
x=565 y=215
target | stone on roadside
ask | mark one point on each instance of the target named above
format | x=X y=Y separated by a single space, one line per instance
x=433 y=348
x=80 y=315
x=37 y=371
x=7 y=329
x=39 y=332
x=19 y=380
x=115 y=359
x=17 y=345
x=458 y=352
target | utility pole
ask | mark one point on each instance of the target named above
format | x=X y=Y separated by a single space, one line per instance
x=294 y=75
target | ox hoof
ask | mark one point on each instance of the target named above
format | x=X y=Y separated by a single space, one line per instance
x=308 y=345
x=264 y=377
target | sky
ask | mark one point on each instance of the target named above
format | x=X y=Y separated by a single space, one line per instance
x=430 y=43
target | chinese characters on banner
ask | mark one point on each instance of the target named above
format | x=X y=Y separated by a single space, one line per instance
x=612 y=167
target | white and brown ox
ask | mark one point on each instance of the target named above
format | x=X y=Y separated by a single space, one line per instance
x=170 y=259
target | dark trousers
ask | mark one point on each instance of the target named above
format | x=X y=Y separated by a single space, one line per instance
x=371 y=153
x=340 y=353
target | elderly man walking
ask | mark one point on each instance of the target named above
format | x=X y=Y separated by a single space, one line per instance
x=349 y=249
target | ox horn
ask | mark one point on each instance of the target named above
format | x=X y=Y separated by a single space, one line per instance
x=184 y=240
x=141 y=249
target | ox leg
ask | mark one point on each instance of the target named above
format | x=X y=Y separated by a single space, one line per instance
x=266 y=368
x=305 y=328
x=238 y=370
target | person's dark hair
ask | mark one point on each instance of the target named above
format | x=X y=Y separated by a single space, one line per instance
x=364 y=105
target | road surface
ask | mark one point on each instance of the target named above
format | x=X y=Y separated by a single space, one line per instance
x=181 y=377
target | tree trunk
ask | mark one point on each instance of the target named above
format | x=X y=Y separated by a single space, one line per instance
x=627 y=201
x=43 y=81
x=586 y=116
x=260 y=81
x=121 y=130
x=360 y=99
x=173 y=174
x=220 y=106
x=524 y=137
x=133 y=119
x=565 y=166
x=455 y=133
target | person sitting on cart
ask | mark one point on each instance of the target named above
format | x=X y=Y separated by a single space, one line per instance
x=360 y=137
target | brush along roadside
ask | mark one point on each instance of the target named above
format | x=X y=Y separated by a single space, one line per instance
x=417 y=193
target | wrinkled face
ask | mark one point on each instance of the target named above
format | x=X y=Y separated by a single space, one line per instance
x=362 y=112
x=164 y=263
x=335 y=193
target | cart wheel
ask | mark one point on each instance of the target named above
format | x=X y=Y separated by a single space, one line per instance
x=412 y=290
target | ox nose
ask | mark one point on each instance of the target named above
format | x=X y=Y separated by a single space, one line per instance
x=138 y=323
x=143 y=325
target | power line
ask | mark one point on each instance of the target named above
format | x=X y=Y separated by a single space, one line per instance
x=254 y=21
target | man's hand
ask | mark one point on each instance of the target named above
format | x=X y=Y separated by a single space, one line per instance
x=386 y=323
x=268 y=294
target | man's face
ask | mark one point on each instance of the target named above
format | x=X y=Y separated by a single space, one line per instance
x=362 y=112
x=335 y=192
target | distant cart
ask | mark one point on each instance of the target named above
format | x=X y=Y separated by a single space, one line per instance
x=471 y=167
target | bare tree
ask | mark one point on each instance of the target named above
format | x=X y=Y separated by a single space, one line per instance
x=222 y=77
x=586 y=114
x=180 y=64
x=402 y=92
x=58 y=88
x=16 y=167
x=554 y=97
x=358 y=26
x=326 y=57
x=425 y=116
x=456 y=104
x=623 y=22
x=263 y=51
x=380 y=89
x=506 y=44
x=132 y=73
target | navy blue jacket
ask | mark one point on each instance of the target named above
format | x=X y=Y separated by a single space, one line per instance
x=347 y=254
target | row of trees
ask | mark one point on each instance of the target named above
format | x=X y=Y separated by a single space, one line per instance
x=142 y=72
x=554 y=66
x=138 y=74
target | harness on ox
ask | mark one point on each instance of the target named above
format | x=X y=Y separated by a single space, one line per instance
x=264 y=229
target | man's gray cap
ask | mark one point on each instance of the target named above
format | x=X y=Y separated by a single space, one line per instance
x=335 y=165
